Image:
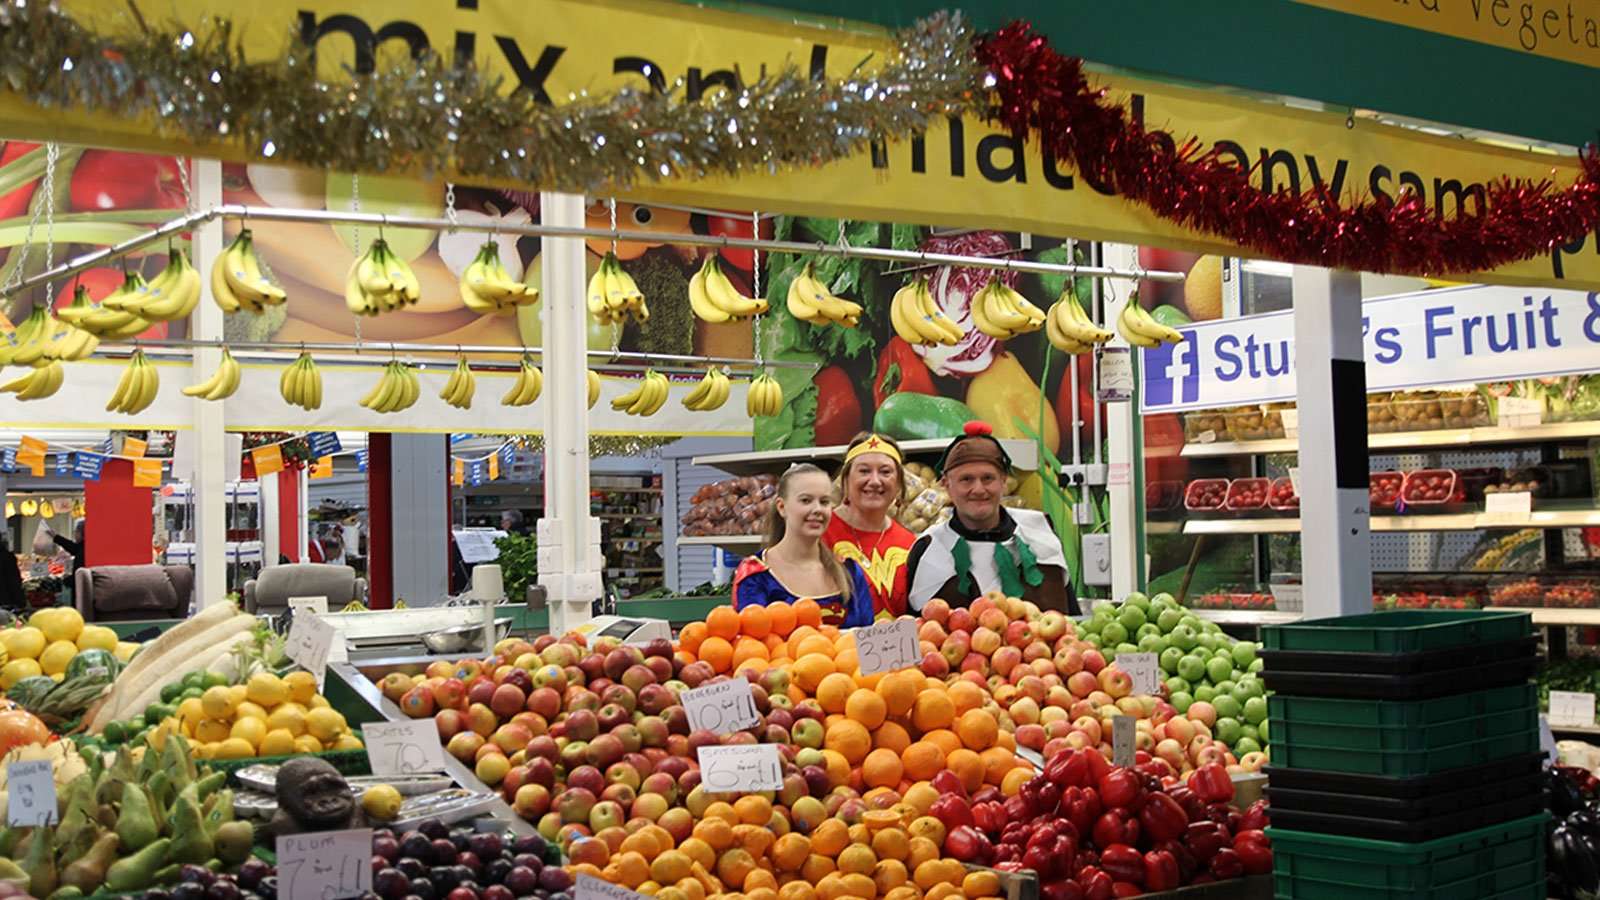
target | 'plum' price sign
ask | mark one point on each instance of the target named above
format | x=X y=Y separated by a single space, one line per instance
x=1123 y=739
x=740 y=768
x=1143 y=669
x=326 y=865
x=589 y=887
x=1571 y=708
x=887 y=646
x=32 y=794
x=720 y=708
x=403 y=748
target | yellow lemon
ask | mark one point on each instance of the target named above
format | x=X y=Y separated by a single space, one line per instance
x=266 y=689
x=325 y=724
x=235 y=748
x=58 y=677
x=248 y=710
x=277 y=742
x=238 y=693
x=218 y=703
x=252 y=730
x=125 y=650
x=347 y=742
x=18 y=669
x=23 y=643
x=305 y=743
x=190 y=711
x=96 y=637
x=203 y=751
x=63 y=623
x=57 y=656
x=318 y=702
x=211 y=731
x=381 y=802
x=302 y=686
x=289 y=718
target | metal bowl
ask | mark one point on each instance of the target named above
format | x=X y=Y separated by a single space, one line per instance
x=463 y=638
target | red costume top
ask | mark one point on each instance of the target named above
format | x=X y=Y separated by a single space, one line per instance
x=881 y=554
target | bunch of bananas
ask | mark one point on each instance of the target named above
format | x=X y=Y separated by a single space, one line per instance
x=460 y=386
x=529 y=383
x=714 y=298
x=38 y=384
x=488 y=289
x=810 y=301
x=647 y=398
x=613 y=295
x=710 y=393
x=918 y=320
x=765 y=397
x=137 y=387
x=1002 y=313
x=75 y=343
x=1140 y=329
x=594 y=387
x=1069 y=327
x=168 y=297
x=109 y=322
x=396 y=390
x=301 y=383
x=239 y=280
x=222 y=383
x=379 y=281
x=41 y=338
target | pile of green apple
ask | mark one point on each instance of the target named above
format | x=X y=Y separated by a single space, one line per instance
x=1209 y=675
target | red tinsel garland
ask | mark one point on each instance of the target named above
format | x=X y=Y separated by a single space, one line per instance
x=1041 y=90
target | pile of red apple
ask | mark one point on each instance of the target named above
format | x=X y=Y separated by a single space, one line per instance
x=1092 y=831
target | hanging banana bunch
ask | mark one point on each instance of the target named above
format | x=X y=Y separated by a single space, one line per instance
x=1002 y=313
x=73 y=343
x=710 y=393
x=301 y=383
x=395 y=391
x=38 y=384
x=168 y=297
x=1069 y=328
x=461 y=385
x=239 y=280
x=530 y=383
x=811 y=301
x=765 y=397
x=594 y=387
x=647 y=398
x=1140 y=329
x=918 y=320
x=613 y=295
x=488 y=289
x=714 y=298
x=137 y=387
x=379 y=281
x=109 y=322
x=222 y=382
x=25 y=344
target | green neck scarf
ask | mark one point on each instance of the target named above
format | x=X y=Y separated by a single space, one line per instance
x=1016 y=573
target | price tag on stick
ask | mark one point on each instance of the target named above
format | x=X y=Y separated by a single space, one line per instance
x=1571 y=708
x=887 y=646
x=1122 y=740
x=403 y=748
x=740 y=768
x=721 y=708
x=1143 y=669
x=325 y=865
x=31 y=799
x=592 y=888
x=309 y=642
x=318 y=605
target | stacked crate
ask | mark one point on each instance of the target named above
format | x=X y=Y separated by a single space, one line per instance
x=1405 y=756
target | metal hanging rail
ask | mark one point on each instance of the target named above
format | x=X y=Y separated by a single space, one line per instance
x=380 y=220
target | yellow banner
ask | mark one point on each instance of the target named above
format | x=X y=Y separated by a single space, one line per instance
x=268 y=459
x=322 y=468
x=966 y=174
x=133 y=447
x=1553 y=29
x=147 y=473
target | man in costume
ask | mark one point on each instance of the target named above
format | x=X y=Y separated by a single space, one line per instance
x=985 y=546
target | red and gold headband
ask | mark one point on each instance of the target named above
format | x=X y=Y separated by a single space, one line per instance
x=874 y=444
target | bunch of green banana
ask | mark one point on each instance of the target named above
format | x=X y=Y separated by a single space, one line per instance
x=1140 y=329
x=594 y=387
x=461 y=385
x=109 y=322
x=714 y=298
x=168 y=297
x=710 y=393
x=918 y=320
x=647 y=398
x=379 y=281
x=1069 y=327
x=396 y=390
x=301 y=383
x=528 y=385
x=613 y=295
x=38 y=384
x=239 y=281
x=1002 y=313
x=811 y=301
x=137 y=387
x=765 y=397
x=222 y=383
x=488 y=289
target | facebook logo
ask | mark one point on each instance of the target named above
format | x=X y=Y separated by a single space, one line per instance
x=1172 y=372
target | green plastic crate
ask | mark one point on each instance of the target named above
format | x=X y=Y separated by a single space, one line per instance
x=1389 y=725
x=1400 y=631
x=1291 y=754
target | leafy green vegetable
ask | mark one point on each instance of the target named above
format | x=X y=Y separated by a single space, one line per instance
x=1050 y=282
x=519 y=563
x=905 y=237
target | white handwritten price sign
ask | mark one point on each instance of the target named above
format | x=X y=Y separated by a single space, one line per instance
x=592 y=888
x=318 y=605
x=721 y=708
x=887 y=646
x=326 y=865
x=32 y=794
x=1143 y=669
x=740 y=768
x=1571 y=708
x=403 y=748
x=1123 y=739
x=309 y=642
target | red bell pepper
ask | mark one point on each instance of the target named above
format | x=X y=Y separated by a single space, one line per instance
x=1193 y=806
x=838 y=408
x=1255 y=851
x=988 y=793
x=1038 y=858
x=1042 y=795
x=953 y=811
x=1081 y=806
x=1063 y=889
x=1212 y=783
x=1017 y=808
x=969 y=845
x=1161 y=817
x=1204 y=839
x=1099 y=766
x=1096 y=884
x=1123 y=863
x=1161 y=871
x=1125 y=889
x=1087 y=858
x=1069 y=769
x=990 y=817
x=1227 y=864
x=1121 y=789
x=901 y=370
x=1115 y=826
x=1187 y=864
x=1256 y=817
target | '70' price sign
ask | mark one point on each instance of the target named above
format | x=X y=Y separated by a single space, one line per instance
x=740 y=768
x=887 y=646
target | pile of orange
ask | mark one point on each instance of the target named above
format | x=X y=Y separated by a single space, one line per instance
x=755 y=637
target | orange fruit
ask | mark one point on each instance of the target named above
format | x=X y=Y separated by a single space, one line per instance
x=977 y=729
x=830 y=837
x=817 y=868
x=889 y=874
x=849 y=739
x=632 y=869
x=983 y=883
x=944 y=890
x=899 y=690
x=735 y=865
x=997 y=761
x=796 y=636
x=809 y=669
x=967 y=766
x=866 y=707
x=922 y=760
x=891 y=736
x=692 y=888
x=723 y=810
x=1007 y=740
x=846 y=660
x=716 y=833
x=966 y=695
x=932 y=709
x=748 y=648
x=837 y=767
x=920 y=796
x=799 y=889
x=790 y=851
x=814 y=643
x=753 y=809
x=1013 y=780
x=834 y=692
x=807 y=612
x=690 y=637
x=671 y=867
x=755 y=621
x=753 y=664
x=718 y=652
x=859 y=885
x=857 y=858
x=892 y=844
x=881 y=768
x=699 y=851
x=723 y=622
x=783 y=619
x=776 y=646
x=761 y=880
x=929 y=873
x=944 y=738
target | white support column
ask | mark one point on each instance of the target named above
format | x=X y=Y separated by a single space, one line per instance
x=569 y=537
x=421 y=526
x=1330 y=374
x=1122 y=455
x=209 y=483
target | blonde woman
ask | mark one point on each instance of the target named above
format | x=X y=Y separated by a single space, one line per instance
x=797 y=564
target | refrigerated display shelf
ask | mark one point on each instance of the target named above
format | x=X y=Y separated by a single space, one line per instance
x=1398 y=440
x=1554 y=518
x=1551 y=616
x=1246 y=616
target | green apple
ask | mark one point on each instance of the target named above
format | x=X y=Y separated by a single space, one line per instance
x=1225 y=686
x=1109 y=653
x=1208 y=642
x=1246 y=745
x=1211 y=627
x=1104 y=612
x=1113 y=634
x=1132 y=617
x=1218 y=670
x=1255 y=710
x=1136 y=599
x=1191 y=620
x=1181 y=701
x=1183 y=637
x=1250 y=686
x=1256 y=665
x=1169 y=660
x=1249 y=731
x=1261 y=729
x=1227 y=707
x=1092 y=640
x=1148 y=628
x=1164 y=598
x=1192 y=669
x=1168 y=619
x=1226 y=730
x=1205 y=693
x=1152 y=643
x=1244 y=653
x=1126 y=647
x=1177 y=685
